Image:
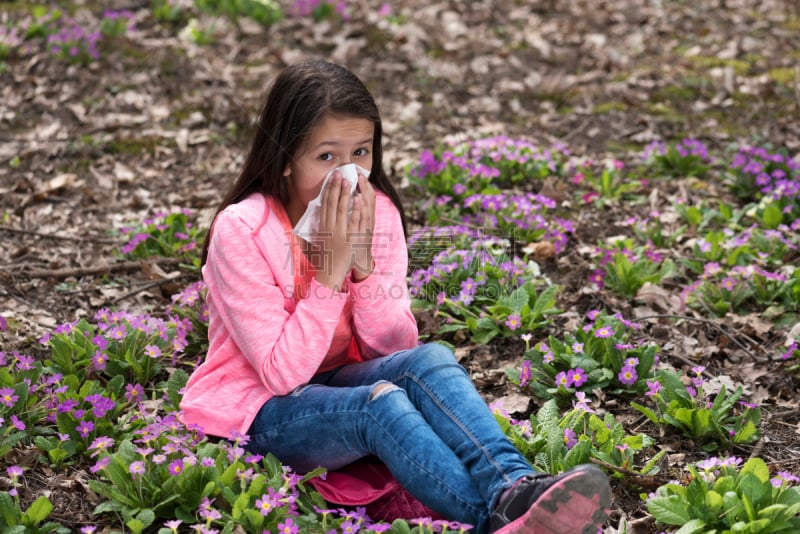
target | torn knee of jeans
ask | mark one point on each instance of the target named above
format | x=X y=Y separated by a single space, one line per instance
x=382 y=389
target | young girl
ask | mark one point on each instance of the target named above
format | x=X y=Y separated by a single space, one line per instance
x=313 y=350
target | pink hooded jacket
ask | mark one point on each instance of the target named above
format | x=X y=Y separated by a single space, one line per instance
x=267 y=336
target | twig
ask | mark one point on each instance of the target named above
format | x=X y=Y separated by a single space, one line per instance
x=793 y=411
x=706 y=321
x=648 y=481
x=758 y=448
x=147 y=286
x=100 y=269
x=11 y=229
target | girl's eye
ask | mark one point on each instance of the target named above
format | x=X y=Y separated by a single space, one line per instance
x=326 y=156
x=361 y=152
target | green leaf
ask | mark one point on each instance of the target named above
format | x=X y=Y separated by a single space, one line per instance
x=136 y=526
x=746 y=433
x=549 y=414
x=8 y=510
x=713 y=501
x=37 y=511
x=671 y=510
x=399 y=526
x=757 y=467
x=695 y=525
x=146 y=516
x=176 y=382
x=545 y=303
x=772 y=511
x=772 y=216
x=650 y=414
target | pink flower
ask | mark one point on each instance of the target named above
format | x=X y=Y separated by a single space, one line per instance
x=525 y=374
x=385 y=10
x=562 y=380
x=603 y=332
x=513 y=322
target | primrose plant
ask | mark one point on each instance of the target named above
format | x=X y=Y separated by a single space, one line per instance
x=32 y=519
x=719 y=496
x=624 y=267
x=603 y=183
x=606 y=353
x=688 y=157
x=463 y=167
x=319 y=10
x=479 y=287
x=719 y=291
x=523 y=217
x=117 y=343
x=169 y=475
x=555 y=443
x=711 y=419
x=172 y=235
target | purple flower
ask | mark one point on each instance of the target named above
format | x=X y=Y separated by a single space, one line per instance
x=101 y=464
x=288 y=527
x=728 y=283
x=99 y=361
x=784 y=477
x=576 y=377
x=152 y=351
x=525 y=374
x=7 y=397
x=581 y=403
x=134 y=392
x=570 y=439
x=100 y=444
x=137 y=468
x=175 y=467
x=627 y=375
x=266 y=503
x=14 y=471
x=118 y=332
x=653 y=388
x=84 y=427
x=18 y=424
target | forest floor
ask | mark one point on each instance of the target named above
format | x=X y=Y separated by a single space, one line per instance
x=159 y=122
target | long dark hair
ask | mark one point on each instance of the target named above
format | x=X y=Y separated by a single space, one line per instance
x=299 y=99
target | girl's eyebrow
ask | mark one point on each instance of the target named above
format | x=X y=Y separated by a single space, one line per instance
x=367 y=140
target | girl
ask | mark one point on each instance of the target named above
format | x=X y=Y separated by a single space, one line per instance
x=313 y=350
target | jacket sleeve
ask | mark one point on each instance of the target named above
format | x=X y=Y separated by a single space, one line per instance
x=285 y=349
x=382 y=317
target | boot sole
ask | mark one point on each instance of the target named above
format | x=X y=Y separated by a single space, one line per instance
x=576 y=504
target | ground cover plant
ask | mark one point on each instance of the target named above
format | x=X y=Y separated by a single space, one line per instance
x=625 y=295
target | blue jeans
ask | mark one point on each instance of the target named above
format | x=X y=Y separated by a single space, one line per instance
x=432 y=430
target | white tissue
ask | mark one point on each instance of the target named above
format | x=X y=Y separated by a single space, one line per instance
x=308 y=225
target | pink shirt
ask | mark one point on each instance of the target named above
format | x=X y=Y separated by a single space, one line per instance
x=264 y=340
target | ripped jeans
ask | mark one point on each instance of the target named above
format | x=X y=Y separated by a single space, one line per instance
x=431 y=428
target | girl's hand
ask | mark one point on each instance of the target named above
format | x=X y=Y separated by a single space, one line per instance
x=362 y=224
x=333 y=252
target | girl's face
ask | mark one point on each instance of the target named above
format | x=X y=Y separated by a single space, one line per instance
x=334 y=142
